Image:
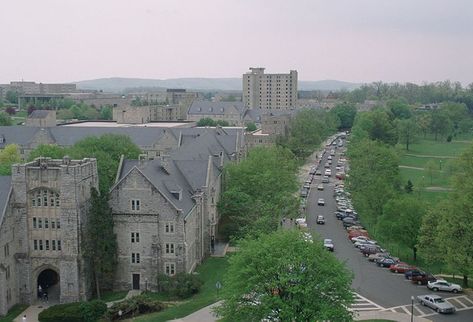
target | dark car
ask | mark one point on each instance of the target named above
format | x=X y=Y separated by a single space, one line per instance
x=413 y=272
x=386 y=262
x=423 y=279
x=370 y=249
x=349 y=221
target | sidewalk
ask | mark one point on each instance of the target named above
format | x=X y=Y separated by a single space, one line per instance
x=377 y=315
x=203 y=315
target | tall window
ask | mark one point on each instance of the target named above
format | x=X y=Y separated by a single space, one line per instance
x=40 y=242
x=169 y=228
x=44 y=198
x=135 y=204
x=40 y=222
x=135 y=258
x=34 y=222
x=169 y=248
x=46 y=223
x=170 y=269
x=58 y=245
x=135 y=237
x=35 y=244
x=47 y=244
x=53 y=244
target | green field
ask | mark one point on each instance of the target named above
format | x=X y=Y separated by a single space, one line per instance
x=441 y=153
x=211 y=271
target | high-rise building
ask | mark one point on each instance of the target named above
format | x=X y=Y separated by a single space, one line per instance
x=269 y=91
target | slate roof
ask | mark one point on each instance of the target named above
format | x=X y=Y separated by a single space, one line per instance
x=5 y=186
x=215 y=108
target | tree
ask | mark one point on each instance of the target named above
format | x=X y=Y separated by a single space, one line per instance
x=401 y=221
x=431 y=168
x=423 y=121
x=375 y=125
x=12 y=97
x=250 y=127
x=5 y=119
x=106 y=113
x=399 y=109
x=99 y=242
x=282 y=277
x=65 y=115
x=8 y=156
x=409 y=187
x=48 y=150
x=407 y=130
x=206 y=121
x=440 y=123
x=346 y=113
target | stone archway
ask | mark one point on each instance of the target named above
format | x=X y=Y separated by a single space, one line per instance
x=48 y=286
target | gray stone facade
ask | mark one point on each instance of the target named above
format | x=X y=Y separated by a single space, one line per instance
x=40 y=230
x=41 y=118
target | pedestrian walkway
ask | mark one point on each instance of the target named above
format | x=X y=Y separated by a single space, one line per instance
x=203 y=315
x=363 y=304
x=390 y=316
x=31 y=313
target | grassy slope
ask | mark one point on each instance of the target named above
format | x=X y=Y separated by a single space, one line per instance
x=211 y=271
x=13 y=313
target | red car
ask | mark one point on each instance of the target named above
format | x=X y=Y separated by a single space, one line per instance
x=400 y=268
x=357 y=233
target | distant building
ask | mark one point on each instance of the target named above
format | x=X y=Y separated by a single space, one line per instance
x=428 y=107
x=31 y=88
x=269 y=91
x=41 y=118
x=232 y=112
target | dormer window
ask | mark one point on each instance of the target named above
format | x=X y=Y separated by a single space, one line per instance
x=176 y=194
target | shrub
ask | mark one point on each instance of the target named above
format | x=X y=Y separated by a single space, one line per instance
x=134 y=306
x=74 y=312
x=449 y=138
x=181 y=285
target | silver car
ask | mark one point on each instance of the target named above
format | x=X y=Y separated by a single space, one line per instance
x=437 y=303
x=443 y=285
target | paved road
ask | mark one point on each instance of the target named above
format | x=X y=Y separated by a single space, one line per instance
x=386 y=290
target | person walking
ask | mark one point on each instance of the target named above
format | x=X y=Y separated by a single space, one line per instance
x=23 y=319
x=40 y=291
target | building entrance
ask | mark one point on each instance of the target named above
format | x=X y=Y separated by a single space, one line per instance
x=48 y=286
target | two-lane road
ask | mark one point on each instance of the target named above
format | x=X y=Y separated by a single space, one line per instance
x=379 y=285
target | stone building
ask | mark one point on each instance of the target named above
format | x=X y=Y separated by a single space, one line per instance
x=41 y=118
x=43 y=208
x=232 y=112
x=25 y=88
x=165 y=212
x=269 y=91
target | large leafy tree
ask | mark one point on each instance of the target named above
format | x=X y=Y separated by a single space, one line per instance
x=99 y=242
x=48 y=150
x=346 y=113
x=448 y=230
x=8 y=156
x=282 y=277
x=407 y=130
x=376 y=125
x=401 y=221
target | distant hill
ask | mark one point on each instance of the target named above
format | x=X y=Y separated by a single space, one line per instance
x=117 y=84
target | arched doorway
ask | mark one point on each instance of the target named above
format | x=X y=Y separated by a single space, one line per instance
x=48 y=285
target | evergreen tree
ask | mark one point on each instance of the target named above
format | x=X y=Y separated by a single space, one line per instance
x=99 y=243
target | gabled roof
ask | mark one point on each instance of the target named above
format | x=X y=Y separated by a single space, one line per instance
x=216 y=108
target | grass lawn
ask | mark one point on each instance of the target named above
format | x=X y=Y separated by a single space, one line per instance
x=419 y=162
x=437 y=148
x=420 y=178
x=113 y=296
x=378 y=320
x=211 y=271
x=14 y=312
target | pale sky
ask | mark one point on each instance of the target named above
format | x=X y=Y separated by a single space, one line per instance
x=350 y=40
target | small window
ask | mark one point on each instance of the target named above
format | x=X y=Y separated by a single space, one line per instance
x=53 y=224
x=135 y=258
x=169 y=228
x=34 y=223
x=40 y=242
x=40 y=223
x=135 y=204
x=169 y=248
x=135 y=237
x=58 y=245
x=46 y=244
x=170 y=269
x=35 y=244
x=46 y=223
x=58 y=223
x=53 y=244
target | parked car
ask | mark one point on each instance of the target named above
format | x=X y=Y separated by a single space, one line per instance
x=321 y=202
x=370 y=249
x=328 y=243
x=400 y=267
x=437 y=303
x=304 y=192
x=385 y=262
x=320 y=220
x=301 y=222
x=443 y=285
x=356 y=233
x=362 y=239
x=349 y=221
x=318 y=173
x=340 y=176
x=328 y=172
x=413 y=272
x=325 y=179
x=423 y=279
x=320 y=187
x=382 y=255
x=312 y=170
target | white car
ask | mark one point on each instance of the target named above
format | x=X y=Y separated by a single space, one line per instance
x=320 y=220
x=301 y=222
x=321 y=202
x=328 y=243
x=320 y=187
x=443 y=285
x=362 y=239
x=328 y=172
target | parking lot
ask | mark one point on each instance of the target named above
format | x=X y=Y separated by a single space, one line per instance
x=376 y=288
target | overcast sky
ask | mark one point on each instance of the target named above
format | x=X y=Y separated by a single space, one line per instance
x=351 y=40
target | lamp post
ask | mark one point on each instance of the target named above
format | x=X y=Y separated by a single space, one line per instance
x=440 y=164
x=412 y=308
